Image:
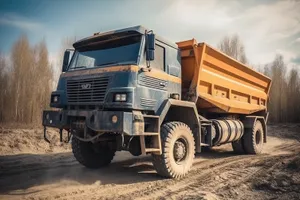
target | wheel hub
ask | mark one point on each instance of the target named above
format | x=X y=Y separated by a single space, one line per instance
x=179 y=151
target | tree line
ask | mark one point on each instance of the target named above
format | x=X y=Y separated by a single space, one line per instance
x=27 y=79
x=285 y=92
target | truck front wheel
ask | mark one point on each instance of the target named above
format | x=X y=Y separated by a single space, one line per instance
x=92 y=155
x=178 y=150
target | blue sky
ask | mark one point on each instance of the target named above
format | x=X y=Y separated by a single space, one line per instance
x=266 y=27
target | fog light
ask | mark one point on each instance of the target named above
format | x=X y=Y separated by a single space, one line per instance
x=54 y=98
x=114 y=119
x=123 y=97
x=120 y=97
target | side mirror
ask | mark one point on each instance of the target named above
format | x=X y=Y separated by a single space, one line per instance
x=150 y=46
x=67 y=58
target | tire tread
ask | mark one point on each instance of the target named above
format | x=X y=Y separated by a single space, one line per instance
x=161 y=162
x=249 y=140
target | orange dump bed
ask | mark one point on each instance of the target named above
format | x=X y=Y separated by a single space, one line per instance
x=218 y=83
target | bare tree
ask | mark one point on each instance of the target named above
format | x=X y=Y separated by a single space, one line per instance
x=3 y=87
x=279 y=91
x=42 y=77
x=25 y=88
x=22 y=61
x=233 y=47
x=28 y=85
x=293 y=96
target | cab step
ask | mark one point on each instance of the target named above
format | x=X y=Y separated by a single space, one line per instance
x=152 y=132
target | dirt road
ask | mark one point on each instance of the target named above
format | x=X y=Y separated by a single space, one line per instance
x=54 y=173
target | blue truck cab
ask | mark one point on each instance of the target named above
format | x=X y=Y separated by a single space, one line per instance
x=109 y=75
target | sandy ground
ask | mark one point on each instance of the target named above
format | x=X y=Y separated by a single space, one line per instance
x=32 y=169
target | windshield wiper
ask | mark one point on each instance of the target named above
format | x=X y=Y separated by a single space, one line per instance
x=109 y=63
x=115 y=63
x=80 y=67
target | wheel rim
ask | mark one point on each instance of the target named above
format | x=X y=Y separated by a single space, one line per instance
x=180 y=150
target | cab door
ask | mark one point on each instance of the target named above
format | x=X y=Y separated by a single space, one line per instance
x=153 y=82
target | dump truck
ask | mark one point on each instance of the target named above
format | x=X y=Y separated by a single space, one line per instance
x=132 y=90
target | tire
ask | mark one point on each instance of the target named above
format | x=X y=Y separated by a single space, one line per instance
x=237 y=147
x=253 y=139
x=171 y=163
x=86 y=154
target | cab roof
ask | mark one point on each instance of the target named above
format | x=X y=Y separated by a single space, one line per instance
x=134 y=30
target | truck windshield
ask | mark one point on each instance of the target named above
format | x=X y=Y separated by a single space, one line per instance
x=119 y=51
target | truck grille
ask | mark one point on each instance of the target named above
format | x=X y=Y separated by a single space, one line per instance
x=153 y=82
x=89 y=90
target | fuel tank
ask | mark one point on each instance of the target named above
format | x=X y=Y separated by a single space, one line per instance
x=227 y=131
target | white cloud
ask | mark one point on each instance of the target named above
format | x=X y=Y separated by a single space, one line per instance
x=268 y=29
x=272 y=21
x=297 y=40
x=263 y=27
x=11 y=19
x=200 y=13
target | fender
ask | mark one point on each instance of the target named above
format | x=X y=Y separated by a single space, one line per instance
x=183 y=111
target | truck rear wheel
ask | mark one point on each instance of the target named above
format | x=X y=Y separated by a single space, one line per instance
x=92 y=155
x=253 y=139
x=178 y=150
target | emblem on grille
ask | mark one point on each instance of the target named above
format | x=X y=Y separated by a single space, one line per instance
x=86 y=86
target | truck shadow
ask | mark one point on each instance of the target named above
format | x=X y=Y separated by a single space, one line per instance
x=23 y=171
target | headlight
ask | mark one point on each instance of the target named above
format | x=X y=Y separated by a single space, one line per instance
x=120 y=97
x=55 y=98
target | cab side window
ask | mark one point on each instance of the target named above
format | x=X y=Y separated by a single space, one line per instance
x=159 y=58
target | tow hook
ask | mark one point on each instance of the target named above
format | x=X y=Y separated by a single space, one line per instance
x=60 y=135
x=45 y=135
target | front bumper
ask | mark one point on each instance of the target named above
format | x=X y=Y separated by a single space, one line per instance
x=129 y=123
